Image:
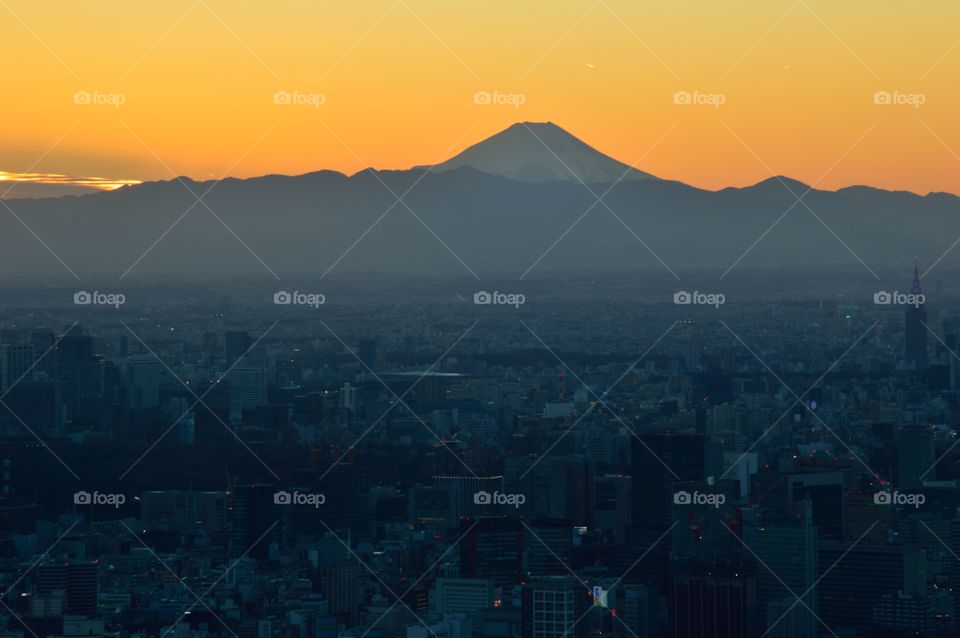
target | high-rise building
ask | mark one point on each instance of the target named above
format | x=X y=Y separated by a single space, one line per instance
x=342 y=587
x=639 y=610
x=461 y=596
x=181 y=510
x=143 y=376
x=236 y=343
x=492 y=548
x=787 y=544
x=554 y=607
x=713 y=600
x=79 y=376
x=465 y=490
x=856 y=577
x=915 y=343
x=657 y=462
x=549 y=546
x=79 y=581
x=915 y=455
x=16 y=364
x=248 y=388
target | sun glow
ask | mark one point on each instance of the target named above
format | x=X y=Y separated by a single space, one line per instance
x=96 y=183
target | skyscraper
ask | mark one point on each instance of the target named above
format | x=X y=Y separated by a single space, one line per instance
x=492 y=548
x=16 y=362
x=555 y=606
x=915 y=343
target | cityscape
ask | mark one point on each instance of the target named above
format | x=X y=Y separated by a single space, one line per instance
x=265 y=463
x=418 y=319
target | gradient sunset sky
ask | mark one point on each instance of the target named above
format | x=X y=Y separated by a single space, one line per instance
x=197 y=80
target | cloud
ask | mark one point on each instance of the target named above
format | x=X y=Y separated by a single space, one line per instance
x=53 y=184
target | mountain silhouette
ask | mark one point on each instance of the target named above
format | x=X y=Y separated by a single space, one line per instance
x=541 y=152
x=506 y=207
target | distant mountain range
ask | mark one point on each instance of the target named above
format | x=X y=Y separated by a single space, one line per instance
x=501 y=206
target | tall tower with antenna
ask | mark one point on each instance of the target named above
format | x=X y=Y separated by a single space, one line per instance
x=915 y=343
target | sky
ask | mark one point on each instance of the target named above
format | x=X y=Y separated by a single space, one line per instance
x=714 y=94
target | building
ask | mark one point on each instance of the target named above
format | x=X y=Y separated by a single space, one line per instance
x=79 y=583
x=555 y=607
x=461 y=596
x=713 y=600
x=855 y=577
x=492 y=548
x=549 y=544
x=788 y=545
x=657 y=462
x=915 y=340
x=16 y=363
x=182 y=510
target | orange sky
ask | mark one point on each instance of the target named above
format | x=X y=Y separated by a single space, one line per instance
x=124 y=90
